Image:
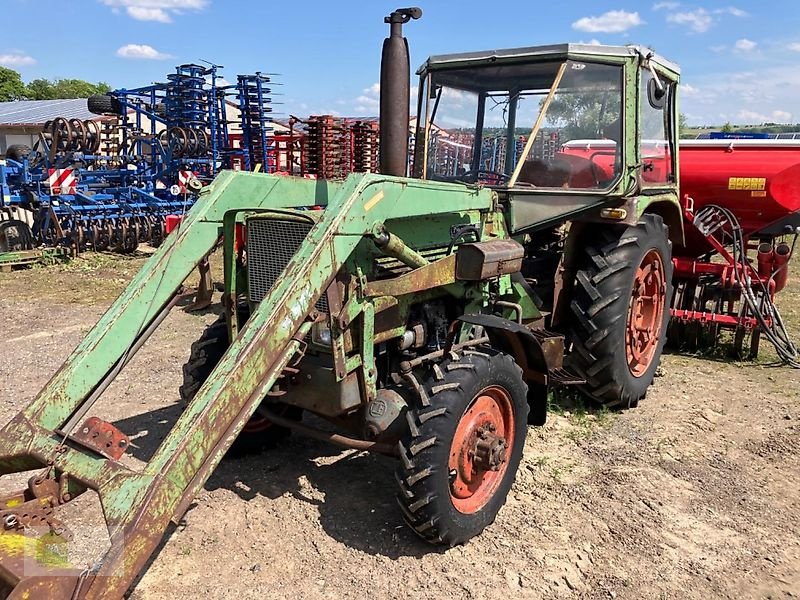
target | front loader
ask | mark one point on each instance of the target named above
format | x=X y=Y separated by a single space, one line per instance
x=426 y=317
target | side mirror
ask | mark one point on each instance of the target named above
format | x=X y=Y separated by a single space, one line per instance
x=656 y=93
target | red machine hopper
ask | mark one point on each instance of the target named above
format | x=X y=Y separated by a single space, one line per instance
x=757 y=180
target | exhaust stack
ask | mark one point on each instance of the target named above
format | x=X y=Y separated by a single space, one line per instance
x=395 y=94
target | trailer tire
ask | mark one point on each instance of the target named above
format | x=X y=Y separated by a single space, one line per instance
x=617 y=337
x=444 y=497
x=18 y=152
x=104 y=104
x=205 y=354
x=15 y=236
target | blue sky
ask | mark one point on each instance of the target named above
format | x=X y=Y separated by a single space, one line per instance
x=740 y=60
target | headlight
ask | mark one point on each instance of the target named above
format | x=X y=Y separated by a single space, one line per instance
x=321 y=334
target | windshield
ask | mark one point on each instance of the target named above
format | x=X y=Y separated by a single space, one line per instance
x=543 y=125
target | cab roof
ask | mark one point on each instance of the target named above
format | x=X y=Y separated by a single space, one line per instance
x=539 y=53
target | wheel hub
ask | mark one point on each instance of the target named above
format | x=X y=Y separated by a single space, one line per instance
x=478 y=453
x=490 y=450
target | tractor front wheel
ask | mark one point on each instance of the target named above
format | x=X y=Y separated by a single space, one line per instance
x=259 y=433
x=620 y=310
x=466 y=433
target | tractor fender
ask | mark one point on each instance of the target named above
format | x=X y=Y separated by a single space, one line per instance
x=670 y=213
x=538 y=352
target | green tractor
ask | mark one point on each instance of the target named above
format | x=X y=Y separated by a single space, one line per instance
x=426 y=317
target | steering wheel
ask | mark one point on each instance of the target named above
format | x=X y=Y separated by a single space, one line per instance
x=485 y=176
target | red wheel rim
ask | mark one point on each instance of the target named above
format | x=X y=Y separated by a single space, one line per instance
x=481 y=446
x=646 y=313
x=257 y=424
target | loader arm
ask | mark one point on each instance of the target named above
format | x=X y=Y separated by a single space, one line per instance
x=138 y=506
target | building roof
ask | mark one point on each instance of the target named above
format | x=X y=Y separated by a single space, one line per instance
x=37 y=112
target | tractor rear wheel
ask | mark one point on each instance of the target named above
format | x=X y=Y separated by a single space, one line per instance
x=259 y=433
x=466 y=433
x=620 y=310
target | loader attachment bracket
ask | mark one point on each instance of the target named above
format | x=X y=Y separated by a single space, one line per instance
x=102 y=437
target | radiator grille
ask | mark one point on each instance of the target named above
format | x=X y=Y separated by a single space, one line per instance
x=271 y=244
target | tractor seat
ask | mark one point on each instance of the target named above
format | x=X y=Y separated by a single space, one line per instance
x=554 y=173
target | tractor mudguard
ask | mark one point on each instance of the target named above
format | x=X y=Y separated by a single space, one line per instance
x=538 y=352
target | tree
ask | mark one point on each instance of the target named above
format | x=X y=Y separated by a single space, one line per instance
x=39 y=89
x=11 y=86
x=44 y=89
x=727 y=128
x=584 y=114
x=683 y=122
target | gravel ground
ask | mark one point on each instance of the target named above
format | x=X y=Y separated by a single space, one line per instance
x=692 y=495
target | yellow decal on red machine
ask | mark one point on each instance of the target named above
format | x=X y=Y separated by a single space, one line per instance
x=747 y=183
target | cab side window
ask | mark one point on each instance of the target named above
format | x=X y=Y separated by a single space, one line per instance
x=654 y=144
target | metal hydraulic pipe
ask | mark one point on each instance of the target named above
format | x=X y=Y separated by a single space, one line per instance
x=325 y=436
x=783 y=253
x=393 y=246
x=395 y=94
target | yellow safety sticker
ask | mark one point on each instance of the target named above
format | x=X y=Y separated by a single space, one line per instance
x=747 y=183
x=370 y=204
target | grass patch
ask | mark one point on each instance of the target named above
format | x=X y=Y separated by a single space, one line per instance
x=584 y=417
x=91 y=278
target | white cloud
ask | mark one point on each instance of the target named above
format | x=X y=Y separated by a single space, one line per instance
x=368 y=101
x=695 y=96
x=141 y=13
x=689 y=90
x=16 y=59
x=753 y=117
x=782 y=116
x=666 y=5
x=613 y=21
x=592 y=42
x=731 y=10
x=161 y=11
x=756 y=96
x=794 y=47
x=698 y=20
x=141 y=51
x=745 y=45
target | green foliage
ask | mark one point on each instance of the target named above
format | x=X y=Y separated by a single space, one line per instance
x=584 y=115
x=727 y=128
x=11 y=86
x=44 y=89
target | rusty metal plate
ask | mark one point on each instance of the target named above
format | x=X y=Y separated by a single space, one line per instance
x=102 y=437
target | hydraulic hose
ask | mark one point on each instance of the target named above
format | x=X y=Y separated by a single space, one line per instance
x=765 y=311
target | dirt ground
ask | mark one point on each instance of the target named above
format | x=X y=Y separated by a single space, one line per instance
x=692 y=495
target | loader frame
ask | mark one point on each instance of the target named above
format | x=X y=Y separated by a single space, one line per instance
x=138 y=507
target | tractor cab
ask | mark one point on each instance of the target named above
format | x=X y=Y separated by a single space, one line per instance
x=556 y=130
